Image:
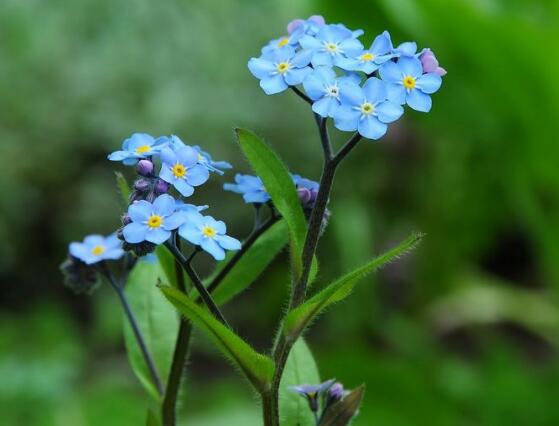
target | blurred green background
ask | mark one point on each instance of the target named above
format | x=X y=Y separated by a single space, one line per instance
x=463 y=332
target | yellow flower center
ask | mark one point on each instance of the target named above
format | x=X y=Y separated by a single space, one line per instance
x=332 y=47
x=283 y=67
x=98 y=250
x=155 y=221
x=283 y=41
x=208 y=231
x=409 y=82
x=367 y=57
x=143 y=149
x=179 y=171
x=367 y=108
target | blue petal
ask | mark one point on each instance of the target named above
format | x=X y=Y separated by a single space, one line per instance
x=351 y=94
x=419 y=101
x=191 y=233
x=168 y=156
x=197 y=175
x=274 y=84
x=139 y=139
x=94 y=240
x=256 y=197
x=118 y=155
x=134 y=232
x=410 y=66
x=113 y=254
x=157 y=235
x=396 y=93
x=295 y=76
x=183 y=187
x=372 y=128
x=382 y=44
x=308 y=42
x=390 y=72
x=139 y=211
x=213 y=248
x=260 y=68
x=187 y=156
x=314 y=86
x=79 y=250
x=429 y=83
x=302 y=58
x=389 y=111
x=218 y=225
x=228 y=243
x=321 y=59
x=407 y=49
x=375 y=90
x=112 y=241
x=325 y=107
x=351 y=47
x=346 y=118
x=164 y=205
x=166 y=174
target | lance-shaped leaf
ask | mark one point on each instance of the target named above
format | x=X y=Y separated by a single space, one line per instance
x=280 y=186
x=158 y=323
x=251 y=264
x=257 y=368
x=123 y=188
x=299 y=318
x=342 y=412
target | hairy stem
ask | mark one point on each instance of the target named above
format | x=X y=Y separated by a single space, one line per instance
x=135 y=328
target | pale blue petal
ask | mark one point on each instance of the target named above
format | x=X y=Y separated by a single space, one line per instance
x=389 y=111
x=346 y=118
x=139 y=139
x=168 y=156
x=325 y=107
x=371 y=128
x=396 y=93
x=134 y=232
x=113 y=254
x=390 y=72
x=419 y=101
x=375 y=90
x=131 y=161
x=296 y=76
x=183 y=187
x=410 y=66
x=139 y=211
x=94 y=240
x=429 y=83
x=302 y=58
x=351 y=94
x=308 y=42
x=197 y=175
x=166 y=174
x=157 y=235
x=79 y=250
x=382 y=44
x=218 y=225
x=164 y=205
x=174 y=221
x=274 y=84
x=118 y=155
x=260 y=68
x=284 y=54
x=228 y=243
x=256 y=197
x=408 y=48
x=187 y=156
x=112 y=241
x=314 y=86
x=213 y=248
x=351 y=47
x=322 y=59
x=191 y=233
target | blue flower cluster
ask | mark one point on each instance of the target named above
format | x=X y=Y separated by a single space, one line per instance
x=361 y=89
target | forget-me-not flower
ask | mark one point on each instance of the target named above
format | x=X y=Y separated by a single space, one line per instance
x=137 y=146
x=332 y=43
x=180 y=168
x=313 y=392
x=188 y=208
x=369 y=60
x=96 y=248
x=366 y=109
x=280 y=68
x=209 y=234
x=205 y=159
x=250 y=187
x=406 y=83
x=323 y=87
x=309 y=26
x=406 y=49
x=152 y=222
x=430 y=63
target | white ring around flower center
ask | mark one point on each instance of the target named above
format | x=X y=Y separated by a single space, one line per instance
x=367 y=108
x=332 y=91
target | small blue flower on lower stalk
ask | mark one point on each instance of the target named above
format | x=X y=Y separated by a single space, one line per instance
x=406 y=83
x=206 y=160
x=280 y=68
x=152 y=222
x=209 y=234
x=331 y=44
x=181 y=169
x=250 y=187
x=137 y=146
x=366 y=109
x=96 y=248
x=313 y=392
x=369 y=60
x=323 y=87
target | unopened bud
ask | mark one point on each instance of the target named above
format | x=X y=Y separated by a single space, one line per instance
x=335 y=393
x=304 y=195
x=161 y=187
x=126 y=219
x=141 y=185
x=144 y=167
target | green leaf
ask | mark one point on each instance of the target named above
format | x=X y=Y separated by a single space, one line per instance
x=299 y=318
x=123 y=188
x=158 y=323
x=258 y=368
x=281 y=188
x=167 y=262
x=153 y=419
x=342 y=412
x=299 y=369
x=252 y=264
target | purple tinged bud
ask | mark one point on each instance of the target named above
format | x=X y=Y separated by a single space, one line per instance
x=335 y=393
x=304 y=195
x=430 y=63
x=126 y=219
x=318 y=20
x=144 y=167
x=161 y=187
x=141 y=185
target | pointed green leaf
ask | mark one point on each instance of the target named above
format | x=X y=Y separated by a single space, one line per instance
x=342 y=412
x=299 y=318
x=280 y=186
x=167 y=262
x=257 y=368
x=252 y=264
x=123 y=188
x=158 y=323
x=300 y=369
x=153 y=418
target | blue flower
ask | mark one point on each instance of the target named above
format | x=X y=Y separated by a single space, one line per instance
x=180 y=168
x=366 y=109
x=153 y=222
x=96 y=248
x=137 y=146
x=289 y=40
x=188 y=208
x=406 y=49
x=331 y=44
x=309 y=26
x=406 y=83
x=206 y=160
x=208 y=233
x=313 y=392
x=251 y=188
x=369 y=60
x=323 y=87
x=280 y=68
